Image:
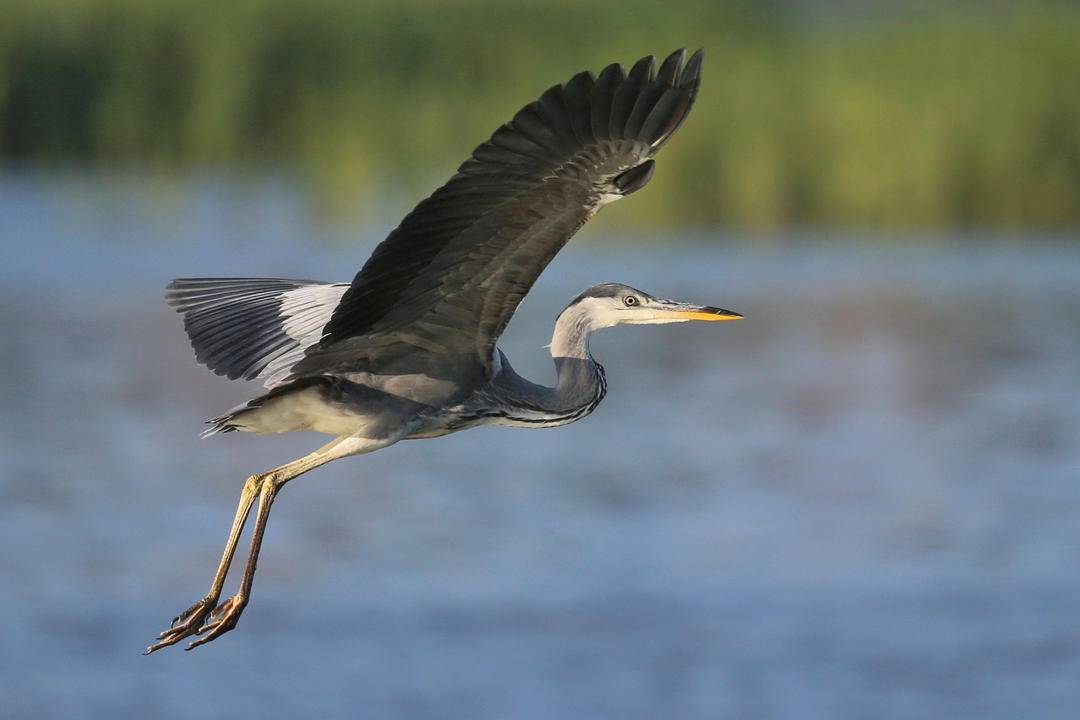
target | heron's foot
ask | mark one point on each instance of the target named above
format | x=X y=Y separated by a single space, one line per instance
x=185 y=624
x=221 y=621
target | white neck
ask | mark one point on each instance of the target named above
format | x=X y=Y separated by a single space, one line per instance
x=573 y=327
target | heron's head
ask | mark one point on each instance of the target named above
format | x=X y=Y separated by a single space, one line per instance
x=610 y=304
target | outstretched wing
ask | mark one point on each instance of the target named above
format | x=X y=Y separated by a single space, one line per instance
x=449 y=278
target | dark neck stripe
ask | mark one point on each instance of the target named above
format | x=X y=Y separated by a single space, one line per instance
x=538 y=419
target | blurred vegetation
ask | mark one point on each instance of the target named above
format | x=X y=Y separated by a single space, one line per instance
x=907 y=115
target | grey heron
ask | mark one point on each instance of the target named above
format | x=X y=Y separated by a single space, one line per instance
x=408 y=348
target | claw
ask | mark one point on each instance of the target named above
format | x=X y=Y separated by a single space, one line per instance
x=220 y=621
x=183 y=625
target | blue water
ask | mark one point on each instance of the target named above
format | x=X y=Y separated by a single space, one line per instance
x=861 y=501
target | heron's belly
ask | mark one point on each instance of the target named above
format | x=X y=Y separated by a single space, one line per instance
x=304 y=410
x=443 y=423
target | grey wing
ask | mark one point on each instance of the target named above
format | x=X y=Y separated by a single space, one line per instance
x=447 y=280
x=253 y=327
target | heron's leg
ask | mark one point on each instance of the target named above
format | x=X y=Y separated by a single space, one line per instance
x=225 y=616
x=188 y=622
x=194 y=619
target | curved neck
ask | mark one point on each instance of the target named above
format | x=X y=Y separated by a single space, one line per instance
x=578 y=390
x=580 y=382
x=572 y=330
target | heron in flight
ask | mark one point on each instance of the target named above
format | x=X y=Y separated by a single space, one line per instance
x=408 y=348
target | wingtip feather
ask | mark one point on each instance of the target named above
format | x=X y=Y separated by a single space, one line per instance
x=603 y=95
x=690 y=77
x=669 y=69
x=577 y=93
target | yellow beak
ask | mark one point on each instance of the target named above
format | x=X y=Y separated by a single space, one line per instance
x=700 y=312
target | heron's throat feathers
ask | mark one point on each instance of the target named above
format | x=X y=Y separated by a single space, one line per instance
x=574 y=326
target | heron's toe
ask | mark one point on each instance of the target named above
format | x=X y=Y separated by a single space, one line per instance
x=220 y=621
x=183 y=625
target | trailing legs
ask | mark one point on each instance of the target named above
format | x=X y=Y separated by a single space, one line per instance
x=206 y=617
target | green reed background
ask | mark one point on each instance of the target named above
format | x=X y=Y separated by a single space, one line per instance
x=908 y=115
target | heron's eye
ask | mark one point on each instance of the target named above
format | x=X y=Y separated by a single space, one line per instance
x=630 y=301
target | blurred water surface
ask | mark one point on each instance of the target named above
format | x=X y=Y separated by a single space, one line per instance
x=861 y=501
